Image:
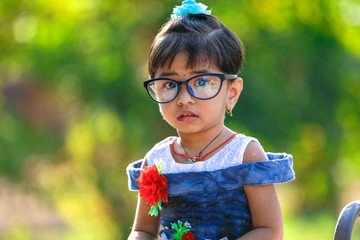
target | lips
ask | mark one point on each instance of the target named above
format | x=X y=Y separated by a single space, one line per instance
x=187 y=116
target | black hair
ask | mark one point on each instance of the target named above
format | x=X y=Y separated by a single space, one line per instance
x=203 y=38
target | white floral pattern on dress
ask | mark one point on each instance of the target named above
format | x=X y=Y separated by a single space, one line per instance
x=230 y=155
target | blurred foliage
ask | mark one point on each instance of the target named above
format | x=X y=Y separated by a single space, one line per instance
x=73 y=112
x=314 y=226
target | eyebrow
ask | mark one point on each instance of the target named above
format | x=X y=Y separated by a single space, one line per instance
x=167 y=74
x=201 y=71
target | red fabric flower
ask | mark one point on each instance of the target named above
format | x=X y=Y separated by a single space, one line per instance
x=152 y=185
x=188 y=236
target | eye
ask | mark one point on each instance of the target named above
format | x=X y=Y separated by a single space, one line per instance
x=201 y=82
x=170 y=85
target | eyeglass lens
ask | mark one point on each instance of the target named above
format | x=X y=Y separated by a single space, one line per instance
x=202 y=87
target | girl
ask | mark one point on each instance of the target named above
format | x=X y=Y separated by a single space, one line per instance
x=209 y=182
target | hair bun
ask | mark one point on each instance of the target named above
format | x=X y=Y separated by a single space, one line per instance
x=189 y=6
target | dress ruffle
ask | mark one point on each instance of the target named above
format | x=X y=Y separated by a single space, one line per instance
x=277 y=170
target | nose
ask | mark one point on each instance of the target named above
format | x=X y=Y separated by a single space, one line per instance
x=185 y=96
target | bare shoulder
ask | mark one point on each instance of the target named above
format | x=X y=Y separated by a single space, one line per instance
x=254 y=153
x=263 y=201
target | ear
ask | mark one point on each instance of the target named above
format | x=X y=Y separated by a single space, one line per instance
x=234 y=91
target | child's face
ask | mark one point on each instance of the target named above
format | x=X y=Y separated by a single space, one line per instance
x=188 y=114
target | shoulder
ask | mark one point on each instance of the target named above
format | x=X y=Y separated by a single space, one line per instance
x=254 y=153
x=160 y=151
x=160 y=146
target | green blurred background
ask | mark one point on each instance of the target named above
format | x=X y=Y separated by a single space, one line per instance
x=74 y=114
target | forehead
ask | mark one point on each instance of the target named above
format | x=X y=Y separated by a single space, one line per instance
x=182 y=63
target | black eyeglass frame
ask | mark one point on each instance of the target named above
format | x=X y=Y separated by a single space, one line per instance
x=222 y=76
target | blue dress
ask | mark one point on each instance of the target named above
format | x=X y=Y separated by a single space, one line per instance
x=210 y=195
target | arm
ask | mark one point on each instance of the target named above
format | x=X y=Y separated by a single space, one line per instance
x=146 y=227
x=263 y=202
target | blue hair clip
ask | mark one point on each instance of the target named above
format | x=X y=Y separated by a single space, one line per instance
x=189 y=6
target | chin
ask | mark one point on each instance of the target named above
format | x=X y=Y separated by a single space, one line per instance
x=190 y=130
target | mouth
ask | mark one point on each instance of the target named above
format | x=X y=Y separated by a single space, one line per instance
x=187 y=116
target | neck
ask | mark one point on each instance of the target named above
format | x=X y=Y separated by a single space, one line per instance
x=195 y=142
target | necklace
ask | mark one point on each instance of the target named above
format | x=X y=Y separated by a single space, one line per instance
x=197 y=158
x=193 y=159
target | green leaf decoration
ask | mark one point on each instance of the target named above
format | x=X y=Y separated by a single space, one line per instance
x=154 y=211
x=160 y=166
x=180 y=229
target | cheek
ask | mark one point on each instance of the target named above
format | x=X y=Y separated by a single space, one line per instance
x=215 y=107
x=164 y=108
x=220 y=101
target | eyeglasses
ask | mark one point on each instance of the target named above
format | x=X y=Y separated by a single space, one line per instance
x=204 y=86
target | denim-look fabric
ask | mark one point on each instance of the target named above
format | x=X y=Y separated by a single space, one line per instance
x=214 y=203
